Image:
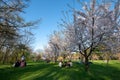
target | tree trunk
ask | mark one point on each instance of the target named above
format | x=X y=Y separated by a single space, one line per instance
x=107 y=61
x=55 y=59
x=4 y=57
x=86 y=64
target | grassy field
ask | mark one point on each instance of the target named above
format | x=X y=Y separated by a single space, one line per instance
x=43 y=71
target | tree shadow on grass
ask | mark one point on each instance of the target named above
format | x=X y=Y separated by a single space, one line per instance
x=104 y=72
x=10 y=73
x=77 y=72
x=42 y=71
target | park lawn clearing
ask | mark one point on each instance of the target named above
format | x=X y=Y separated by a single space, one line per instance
x=50 y=71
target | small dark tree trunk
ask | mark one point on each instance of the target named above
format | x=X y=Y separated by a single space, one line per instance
x=108 y=58
x=64 y=56
x=86 y=64
x=107 y=61
x=86 y=60
x=55 y=56
x=55 y=59
x=4 y=57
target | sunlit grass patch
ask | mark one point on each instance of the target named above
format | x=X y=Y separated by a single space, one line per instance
x=51 y=71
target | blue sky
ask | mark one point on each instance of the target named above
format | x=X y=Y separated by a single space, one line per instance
x=50 y=11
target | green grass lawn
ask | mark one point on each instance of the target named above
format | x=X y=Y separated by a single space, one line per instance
x=43 y=71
